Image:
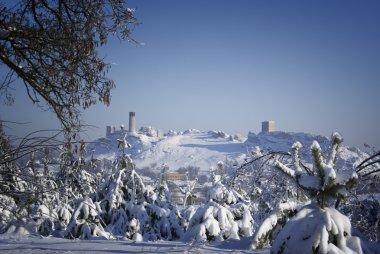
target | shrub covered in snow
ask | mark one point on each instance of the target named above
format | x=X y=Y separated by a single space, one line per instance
x=322 y=182
x=219 y=134
x=74 y=180
x=133 y=210
x=85 y=222
x=149 y=131
x=317 y=230
x=7 y=210
x=270 y=227
x=315 y=227
x=130 y=209
x=365 y=217
x=227 y=215
x=63 y=215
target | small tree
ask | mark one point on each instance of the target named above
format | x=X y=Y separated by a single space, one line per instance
x=323 y=182
x=188 y=191
x=133 y=210
x=315 y=227
x=85 y=222
x=226 y=215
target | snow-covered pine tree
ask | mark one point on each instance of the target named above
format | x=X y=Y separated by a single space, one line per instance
x=315 y=227
x=162 y=188
x=66 y=161
x=188 y=191
x=85 y=223
x=257 y=180
x=12 y=187
x=133 y=210
x=46 y=195
x=74 y=182
x=50 y=197
x=83 y=183
x=226 y=215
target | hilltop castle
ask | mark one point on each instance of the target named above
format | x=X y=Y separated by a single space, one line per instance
x=110 y=129
x=268 y=126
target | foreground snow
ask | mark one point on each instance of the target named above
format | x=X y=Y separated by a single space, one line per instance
x=36 y=244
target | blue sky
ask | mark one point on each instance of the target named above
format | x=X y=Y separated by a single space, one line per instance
x=312 y=66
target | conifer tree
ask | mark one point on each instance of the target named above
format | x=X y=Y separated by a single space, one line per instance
x=313 y=226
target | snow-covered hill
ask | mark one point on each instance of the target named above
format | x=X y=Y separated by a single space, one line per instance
x=204 y=149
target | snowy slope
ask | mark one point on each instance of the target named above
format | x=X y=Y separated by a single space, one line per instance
x=204 y=149
x=191 y=148
x=283 y=141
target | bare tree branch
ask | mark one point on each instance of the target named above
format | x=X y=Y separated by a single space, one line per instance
x=51 y=46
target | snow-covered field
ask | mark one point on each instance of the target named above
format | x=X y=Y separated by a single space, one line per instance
x=37 y=244
x=204 y=149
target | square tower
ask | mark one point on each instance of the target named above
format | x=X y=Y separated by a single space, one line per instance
x=268 y=126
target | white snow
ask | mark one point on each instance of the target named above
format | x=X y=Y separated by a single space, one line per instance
x=205 y=149
x=313 y=228
x=13 y=243
x=192 y=148
x=199 y=149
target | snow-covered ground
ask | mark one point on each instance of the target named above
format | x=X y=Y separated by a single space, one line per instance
x=204 y=149
x=36 y=244
x=190 y=148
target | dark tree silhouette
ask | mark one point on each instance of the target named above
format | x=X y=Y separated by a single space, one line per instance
x=51 y=45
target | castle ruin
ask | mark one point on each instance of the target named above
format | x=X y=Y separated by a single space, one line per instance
x=268 y=126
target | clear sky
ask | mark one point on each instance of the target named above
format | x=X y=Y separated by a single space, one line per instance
x=311 y=66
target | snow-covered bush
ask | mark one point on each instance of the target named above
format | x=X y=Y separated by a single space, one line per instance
x=317 y=230
x=171 y=133
x=133 y=210
x=322 y=182
x=315 y=227
x=238 y=137
x=85 y=222
x=73 y=179
x=212 y=222
x=63 y=214
x=188 y=191
x=226 y=215
x=258 y=181
x=149 y=131
x=127 y=200
x=365 y=217
x=219 y=134
x=270 y=227
x=49 y=192
x=7 y=211
x=43 y=220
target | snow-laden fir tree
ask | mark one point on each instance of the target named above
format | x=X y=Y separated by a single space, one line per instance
x=85 y=223
x=74 y=182
x=188 y=191
x=133 y=210
x=258 y=181
x=13 y=189
x=226 y=215
x=74 y=179
x=162 y=188
x=314 y=227
x=45 y=191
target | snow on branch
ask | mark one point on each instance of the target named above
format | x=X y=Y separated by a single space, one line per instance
x=325 y=182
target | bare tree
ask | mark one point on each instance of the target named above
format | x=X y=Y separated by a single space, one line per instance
x=51 y=45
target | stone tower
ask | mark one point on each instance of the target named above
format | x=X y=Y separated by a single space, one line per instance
x=132 y=122
x=268 y=126
x=109 y=130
